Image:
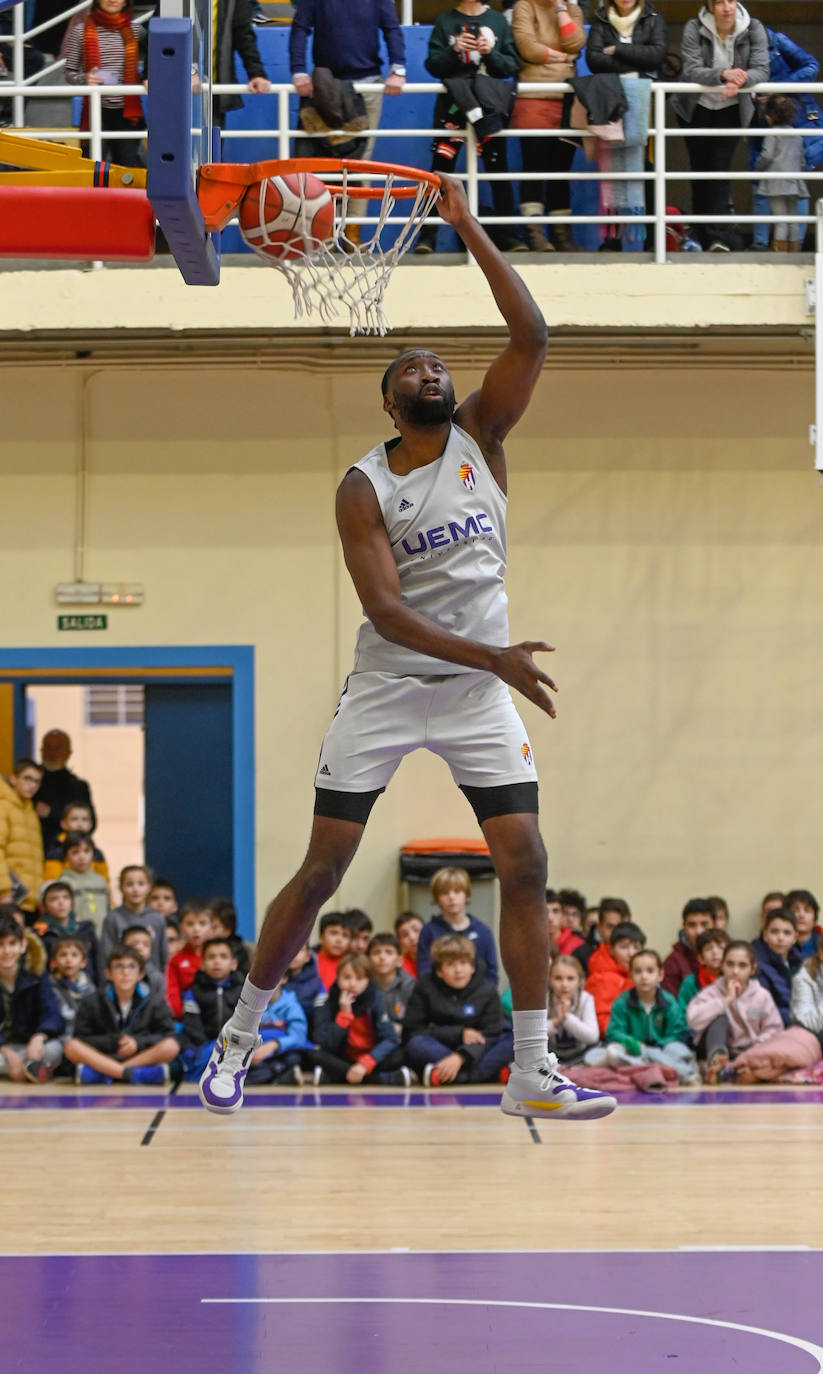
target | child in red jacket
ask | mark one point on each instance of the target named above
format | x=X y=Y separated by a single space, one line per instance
x=610 y=969
x=195 y=929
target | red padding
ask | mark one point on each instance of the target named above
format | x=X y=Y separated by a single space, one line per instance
x=107 y=223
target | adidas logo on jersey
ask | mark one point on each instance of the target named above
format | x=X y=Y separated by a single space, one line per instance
x=405 y=505
x=325 y=771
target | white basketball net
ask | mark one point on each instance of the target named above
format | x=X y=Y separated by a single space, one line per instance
x=341 y=271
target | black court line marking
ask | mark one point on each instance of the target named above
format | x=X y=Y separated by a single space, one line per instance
x=532 y=1130
x=157 y=1119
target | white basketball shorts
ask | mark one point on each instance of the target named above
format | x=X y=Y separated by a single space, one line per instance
x=468 y=719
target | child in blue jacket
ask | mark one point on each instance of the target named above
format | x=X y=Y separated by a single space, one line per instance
x=285 y=1034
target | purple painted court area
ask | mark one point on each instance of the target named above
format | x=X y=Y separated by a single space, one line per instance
x=350 y=1314
x=109 y=1099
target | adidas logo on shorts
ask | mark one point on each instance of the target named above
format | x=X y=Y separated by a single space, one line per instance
x=325 y=771
x=405 y=505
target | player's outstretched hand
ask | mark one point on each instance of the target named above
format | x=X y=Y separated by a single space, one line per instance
x=516 y=666
x=452 y=205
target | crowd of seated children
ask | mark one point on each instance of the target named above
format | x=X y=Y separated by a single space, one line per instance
x=135 y=886
x=196 y=927
x=646 y=1024
x=451 y=889
x=356 y=1041
x=31 y=1025
x=57 y=919
x=454 y=1028
x=123 y=1031
x=90 y=889
x=747 y=1012
x=77 y=818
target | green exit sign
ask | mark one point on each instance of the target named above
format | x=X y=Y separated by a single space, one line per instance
x=82 y=622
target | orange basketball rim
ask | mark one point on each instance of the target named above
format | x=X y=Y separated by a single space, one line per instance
x=222 y=185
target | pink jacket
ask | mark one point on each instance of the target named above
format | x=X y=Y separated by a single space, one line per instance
x=753 y=1016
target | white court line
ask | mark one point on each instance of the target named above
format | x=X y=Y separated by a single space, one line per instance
x=809 y=1348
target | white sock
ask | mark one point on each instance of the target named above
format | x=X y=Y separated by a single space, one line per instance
x=253 y=1002
x=531 y=1037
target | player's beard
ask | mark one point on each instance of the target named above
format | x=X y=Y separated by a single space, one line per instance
x=426 y=412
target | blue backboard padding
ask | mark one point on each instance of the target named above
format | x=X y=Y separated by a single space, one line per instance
x=169 y=183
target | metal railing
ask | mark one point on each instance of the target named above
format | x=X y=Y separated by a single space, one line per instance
x=282 y=137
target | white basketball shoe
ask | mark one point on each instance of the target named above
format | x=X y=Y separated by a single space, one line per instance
x=221 y=1084
x=544 y=1092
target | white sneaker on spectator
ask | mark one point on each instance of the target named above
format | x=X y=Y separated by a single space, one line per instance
x=718 y=246
x=545 y=1092
x=221 y=1084
x=616 y=1055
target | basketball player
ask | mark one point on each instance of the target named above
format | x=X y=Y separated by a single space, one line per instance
x=422 y=523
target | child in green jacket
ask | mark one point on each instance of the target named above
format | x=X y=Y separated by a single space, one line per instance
x=647 y=1026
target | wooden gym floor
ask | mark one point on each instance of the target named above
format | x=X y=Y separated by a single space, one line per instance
x=365 y=1220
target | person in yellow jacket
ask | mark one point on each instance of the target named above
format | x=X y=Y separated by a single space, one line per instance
x=21 y=836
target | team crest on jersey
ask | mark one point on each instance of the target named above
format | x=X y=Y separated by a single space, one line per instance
x=466 y=474
x=525 y=750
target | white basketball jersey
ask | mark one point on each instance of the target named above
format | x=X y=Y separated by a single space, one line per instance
x=446 y=523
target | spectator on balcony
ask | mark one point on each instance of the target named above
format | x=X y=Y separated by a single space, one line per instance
x=472 y=51
x=346 y=42
x=788 y=62
x=785 y=194
x=105 y=47
x=627 y=38
x=234 y=34
x=726 y=49
x=549 y=34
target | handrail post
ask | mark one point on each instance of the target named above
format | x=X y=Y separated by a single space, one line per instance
x=472 y=185
x=283 y=142
x=660 y=156
x=18 y=103
x=96 y=124
x=817 y=427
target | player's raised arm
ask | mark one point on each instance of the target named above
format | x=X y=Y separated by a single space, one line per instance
x=370 y=562
x=489 y=413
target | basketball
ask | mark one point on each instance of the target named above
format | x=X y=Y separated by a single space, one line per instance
x=286 y=216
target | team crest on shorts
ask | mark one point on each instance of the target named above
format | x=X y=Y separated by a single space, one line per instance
x=525 y=750
x=466 y=474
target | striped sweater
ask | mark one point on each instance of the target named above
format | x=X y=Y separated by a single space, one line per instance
x=111 y=56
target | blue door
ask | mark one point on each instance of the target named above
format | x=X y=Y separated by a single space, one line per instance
x=189 y=812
